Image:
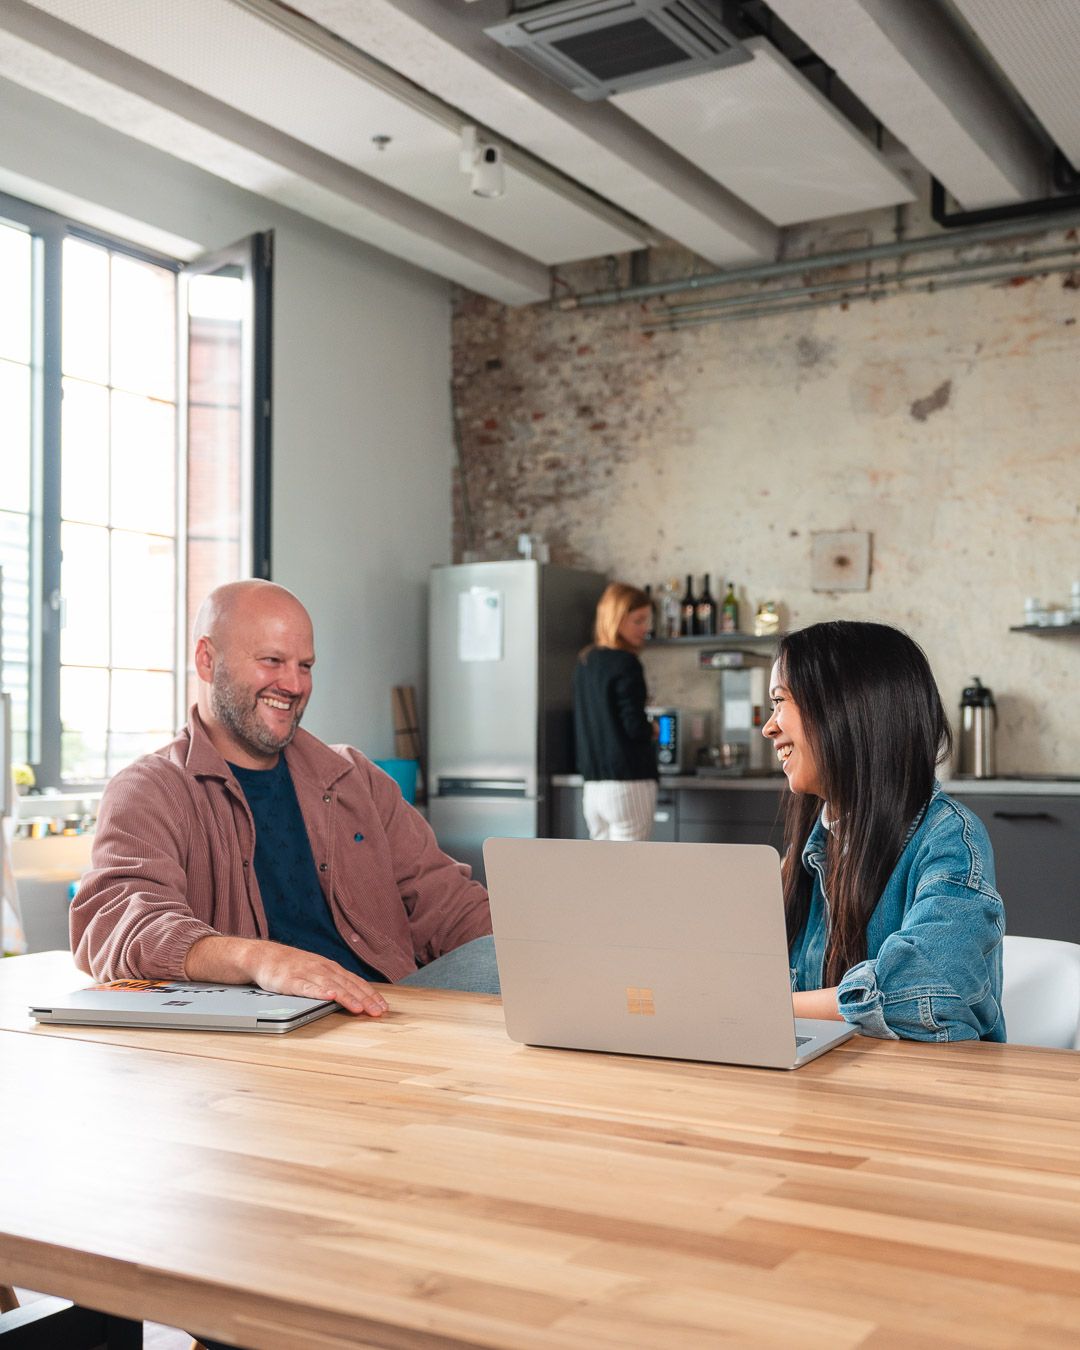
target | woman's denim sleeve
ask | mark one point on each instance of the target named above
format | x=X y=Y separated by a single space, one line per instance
x=938 y=977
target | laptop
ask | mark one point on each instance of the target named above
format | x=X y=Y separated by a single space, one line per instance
x=677 y=950
x=184 y=1005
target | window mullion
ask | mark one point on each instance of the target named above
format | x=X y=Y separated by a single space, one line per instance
x=45 y=549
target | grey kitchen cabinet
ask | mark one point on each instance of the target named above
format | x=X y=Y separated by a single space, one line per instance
x=568 y=820
x=1036 y=842
x=731 y=815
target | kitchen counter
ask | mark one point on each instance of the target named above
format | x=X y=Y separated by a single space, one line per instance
x=1033 y=786
x=1033 y=824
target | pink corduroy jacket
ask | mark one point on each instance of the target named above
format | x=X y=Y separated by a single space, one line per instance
x=173 y=861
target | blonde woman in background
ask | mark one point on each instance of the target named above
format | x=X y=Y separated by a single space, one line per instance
x=616 y=754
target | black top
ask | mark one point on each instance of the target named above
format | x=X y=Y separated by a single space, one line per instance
x=612 y=734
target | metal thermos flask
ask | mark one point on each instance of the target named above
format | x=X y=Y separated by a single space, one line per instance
x=978 y=722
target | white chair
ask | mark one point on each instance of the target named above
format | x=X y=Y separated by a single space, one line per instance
x=1041 y=993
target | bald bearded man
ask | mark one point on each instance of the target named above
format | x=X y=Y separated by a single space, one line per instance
x=248 y=851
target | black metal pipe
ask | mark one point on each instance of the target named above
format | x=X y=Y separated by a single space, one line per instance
x=1066 y=178
x=952 y=220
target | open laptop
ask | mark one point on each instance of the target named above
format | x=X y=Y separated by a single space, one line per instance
x=184 y=1005
x=677 y=950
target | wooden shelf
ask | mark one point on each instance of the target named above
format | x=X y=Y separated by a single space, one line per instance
x=716 y=640
x=1035 y=629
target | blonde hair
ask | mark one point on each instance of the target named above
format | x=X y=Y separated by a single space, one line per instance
x=617 y=601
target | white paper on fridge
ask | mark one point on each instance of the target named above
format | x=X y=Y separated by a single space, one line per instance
x=480 y=624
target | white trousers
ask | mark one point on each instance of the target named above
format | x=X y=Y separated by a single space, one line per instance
x=620 y=810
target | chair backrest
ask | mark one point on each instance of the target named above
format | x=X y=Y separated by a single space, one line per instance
x=1041 y=993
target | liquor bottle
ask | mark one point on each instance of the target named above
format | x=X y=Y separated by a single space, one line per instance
x=729 y=615
x=688 y=606
x=670 y=608
x=705 y=612
x=651 y=632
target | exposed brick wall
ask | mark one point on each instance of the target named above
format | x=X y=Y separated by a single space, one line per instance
x=948 y=425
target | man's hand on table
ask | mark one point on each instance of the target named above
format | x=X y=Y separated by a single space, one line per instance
x=283 y=970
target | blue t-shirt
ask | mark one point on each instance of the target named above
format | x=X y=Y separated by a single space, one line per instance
x=296 y=909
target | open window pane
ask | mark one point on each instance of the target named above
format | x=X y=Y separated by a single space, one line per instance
x=216 y=479
x=86 y=311
x=225 y=419
x=84 y=465
x=143 y=601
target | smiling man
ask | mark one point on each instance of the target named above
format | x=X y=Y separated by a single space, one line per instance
x=249 y=851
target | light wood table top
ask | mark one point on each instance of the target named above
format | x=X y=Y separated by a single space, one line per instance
x=424 y=1182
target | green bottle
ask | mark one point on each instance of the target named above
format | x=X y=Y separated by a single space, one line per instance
x=729 y=611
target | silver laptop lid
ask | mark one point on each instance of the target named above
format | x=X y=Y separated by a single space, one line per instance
x=677 y=950
x=183 y=1003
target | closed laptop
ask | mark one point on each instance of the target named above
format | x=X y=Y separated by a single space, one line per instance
x=184 y=1004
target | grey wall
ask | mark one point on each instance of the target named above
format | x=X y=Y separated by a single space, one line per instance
x=362 y=437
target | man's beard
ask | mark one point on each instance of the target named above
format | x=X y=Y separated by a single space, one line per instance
x=238 y=714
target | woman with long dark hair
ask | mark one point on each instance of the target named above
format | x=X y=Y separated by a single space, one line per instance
x=893 y=919
x=615 y=750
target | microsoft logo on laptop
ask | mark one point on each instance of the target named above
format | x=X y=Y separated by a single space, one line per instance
x=640 y=1001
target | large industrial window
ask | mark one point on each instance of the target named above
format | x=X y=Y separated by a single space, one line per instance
x=134 y=423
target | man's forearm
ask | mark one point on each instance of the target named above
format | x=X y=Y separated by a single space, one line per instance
x=228 y=960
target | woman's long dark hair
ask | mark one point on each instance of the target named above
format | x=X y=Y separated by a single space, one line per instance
x=872 y=716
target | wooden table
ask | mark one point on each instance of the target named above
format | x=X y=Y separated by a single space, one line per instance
x=424 y=1182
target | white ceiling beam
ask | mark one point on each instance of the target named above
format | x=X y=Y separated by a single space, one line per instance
x=763 y=128
x=442 y=47
x=228 y=142
x=909 y=67
x=380 y=75
x=1039 y=50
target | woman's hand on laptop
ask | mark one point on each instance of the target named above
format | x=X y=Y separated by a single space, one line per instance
x=281 y=969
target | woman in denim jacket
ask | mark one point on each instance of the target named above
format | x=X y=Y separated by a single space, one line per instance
x=893 y=920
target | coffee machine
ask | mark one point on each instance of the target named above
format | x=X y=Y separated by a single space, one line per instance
x=744 y=710
x=681 y=733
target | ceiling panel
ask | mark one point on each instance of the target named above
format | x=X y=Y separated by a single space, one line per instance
x=1037 y=45
x=765 y=132
x=911 y=69
x=441 y=46
x=231 y=54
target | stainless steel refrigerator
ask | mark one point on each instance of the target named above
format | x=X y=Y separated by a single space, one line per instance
x=503 y=638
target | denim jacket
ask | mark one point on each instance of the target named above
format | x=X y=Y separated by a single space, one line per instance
x=933 y=941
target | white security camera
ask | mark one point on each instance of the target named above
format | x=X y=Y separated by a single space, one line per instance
x=483 y=162
x=487 y=176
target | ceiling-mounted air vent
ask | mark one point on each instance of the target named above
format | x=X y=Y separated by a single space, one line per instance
x=596 y=48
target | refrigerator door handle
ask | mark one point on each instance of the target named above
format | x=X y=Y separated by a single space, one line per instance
x=480 y=787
